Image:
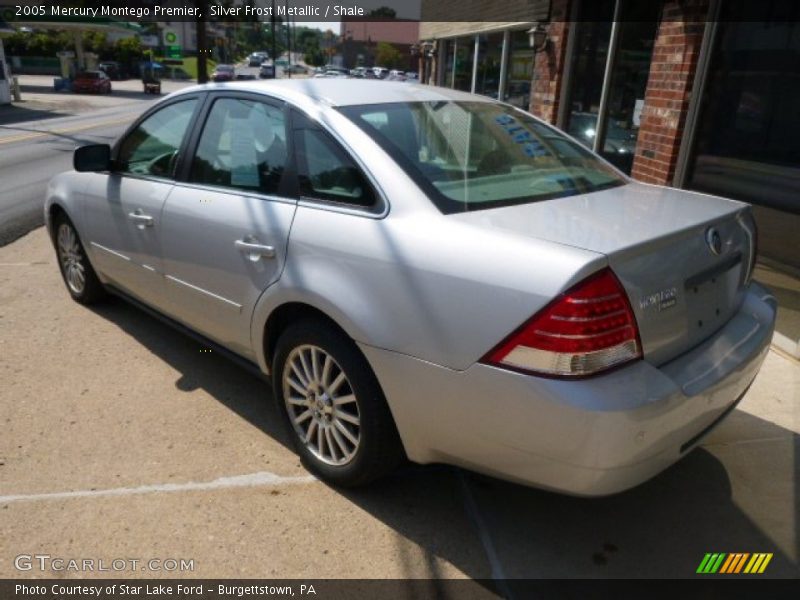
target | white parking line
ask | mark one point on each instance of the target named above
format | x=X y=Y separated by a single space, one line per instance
x=498 y=573
x=262 y=478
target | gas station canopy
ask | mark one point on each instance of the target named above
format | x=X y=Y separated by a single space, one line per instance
x=77 y=25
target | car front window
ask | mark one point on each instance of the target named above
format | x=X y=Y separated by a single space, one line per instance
x=477 y=155
x=152 y=148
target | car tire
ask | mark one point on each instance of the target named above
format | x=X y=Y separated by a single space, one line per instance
x=336 y=397
x=80 y=278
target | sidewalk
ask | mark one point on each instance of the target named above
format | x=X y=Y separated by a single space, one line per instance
x=122 y=439
x=784 y=282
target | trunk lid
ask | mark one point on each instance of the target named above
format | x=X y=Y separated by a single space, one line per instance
x=662 y=244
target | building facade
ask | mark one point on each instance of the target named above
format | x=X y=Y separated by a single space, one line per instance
x=360 y=38
x=696 y=94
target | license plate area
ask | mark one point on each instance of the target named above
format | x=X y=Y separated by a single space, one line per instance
x=711 y=297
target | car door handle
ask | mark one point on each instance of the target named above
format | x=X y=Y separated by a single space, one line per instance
x=142 y=220
x=255 y=250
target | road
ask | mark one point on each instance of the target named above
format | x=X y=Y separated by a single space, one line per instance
x=37 y=144
x=39 y=134
x=33 y=152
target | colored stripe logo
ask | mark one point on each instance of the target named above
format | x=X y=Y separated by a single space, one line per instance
x=734 y=563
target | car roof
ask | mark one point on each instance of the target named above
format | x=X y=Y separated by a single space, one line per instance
x=344 y=92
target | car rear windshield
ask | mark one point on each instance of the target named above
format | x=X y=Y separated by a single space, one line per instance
x=88 y=75
x=477 y=155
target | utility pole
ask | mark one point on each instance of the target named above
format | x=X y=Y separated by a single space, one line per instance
x=288 y=39
x=274 y=44
x=200 y=28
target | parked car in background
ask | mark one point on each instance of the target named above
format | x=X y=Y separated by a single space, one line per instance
x=296 y=69
x=426 y=274
x=336 y=69
x=91 y=82
x=267 y=71
x=256 y=58
x=380 y=72
x=113 y=69
x=223 y=73
x=333 y=74
x=412 y=76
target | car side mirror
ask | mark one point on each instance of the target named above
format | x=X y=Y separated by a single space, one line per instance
x=94 y=157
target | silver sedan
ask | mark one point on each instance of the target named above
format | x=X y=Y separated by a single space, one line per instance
x=427 y=275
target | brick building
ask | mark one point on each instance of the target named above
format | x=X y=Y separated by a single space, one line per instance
x=697 y=94
x=361 y=36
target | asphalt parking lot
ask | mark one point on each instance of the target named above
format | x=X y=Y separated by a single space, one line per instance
x=121 y=438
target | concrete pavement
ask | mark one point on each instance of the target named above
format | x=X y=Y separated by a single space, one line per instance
x=121 y=438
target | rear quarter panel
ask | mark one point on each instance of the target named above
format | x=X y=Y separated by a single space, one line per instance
x=420 y=284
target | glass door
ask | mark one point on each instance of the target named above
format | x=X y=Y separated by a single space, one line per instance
x=588 y=69
x=628 y=82
x=612 y=92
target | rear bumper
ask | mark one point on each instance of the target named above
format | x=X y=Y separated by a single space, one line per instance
x=591 y=437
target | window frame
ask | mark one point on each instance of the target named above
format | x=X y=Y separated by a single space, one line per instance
x=380 y=206
x=200 y=99
x=285 y=190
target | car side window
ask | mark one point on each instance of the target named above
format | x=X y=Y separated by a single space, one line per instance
x=324 y=169
x=243 y=145
x=152 y=148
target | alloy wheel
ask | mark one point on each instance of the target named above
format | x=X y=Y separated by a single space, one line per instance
x=322 y=405
x=71 y=257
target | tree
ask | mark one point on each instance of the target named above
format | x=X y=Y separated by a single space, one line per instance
x=313 y=55
x=128 y=51
x=387 y=55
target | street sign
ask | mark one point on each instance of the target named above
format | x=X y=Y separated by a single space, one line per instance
x=172 y=42
x=170 y=36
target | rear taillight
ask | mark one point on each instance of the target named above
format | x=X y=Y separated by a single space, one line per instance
x=587 y=329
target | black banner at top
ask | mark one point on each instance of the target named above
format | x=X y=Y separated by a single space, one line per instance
x=51 y=14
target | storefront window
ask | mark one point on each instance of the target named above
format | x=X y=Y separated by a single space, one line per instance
x=520 y=70
x=449 y=54
x=746 y=143
x=588 y=68
x=629 y=74
x=490 y=56
x=464 y=54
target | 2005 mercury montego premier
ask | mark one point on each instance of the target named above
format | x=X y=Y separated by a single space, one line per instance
x=426 y=274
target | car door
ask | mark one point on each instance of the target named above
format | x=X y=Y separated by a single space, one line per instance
x=226 y=224
x=123 y=207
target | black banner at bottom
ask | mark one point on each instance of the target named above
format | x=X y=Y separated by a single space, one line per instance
x=334 y=589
